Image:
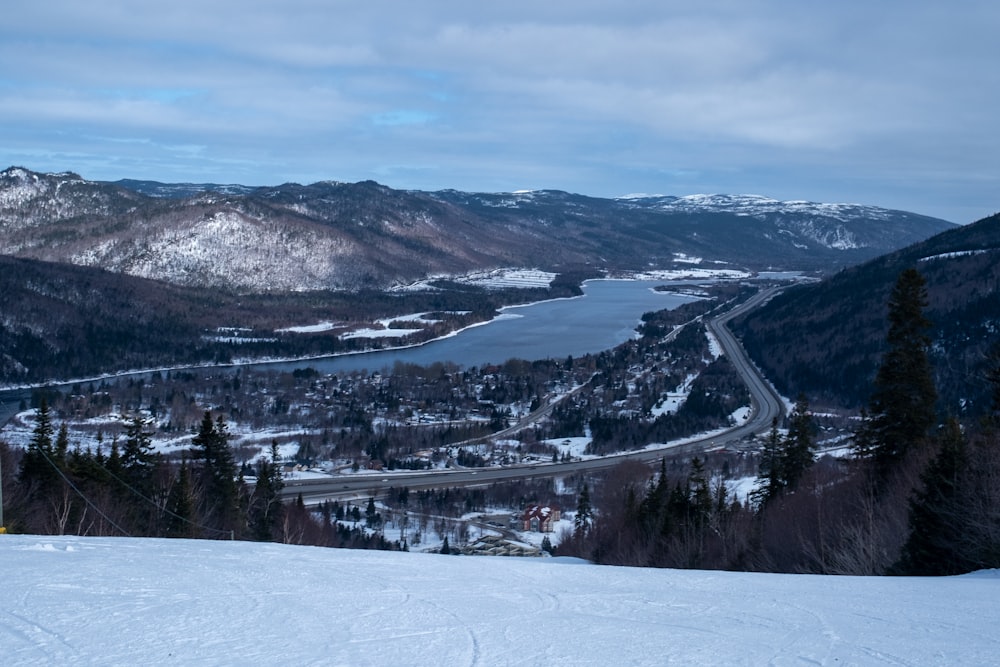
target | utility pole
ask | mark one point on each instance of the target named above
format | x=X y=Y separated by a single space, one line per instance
x=3 y=528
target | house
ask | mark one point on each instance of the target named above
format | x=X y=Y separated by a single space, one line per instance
x=540 y=518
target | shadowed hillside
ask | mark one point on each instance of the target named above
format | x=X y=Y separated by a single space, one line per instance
x=826 y=339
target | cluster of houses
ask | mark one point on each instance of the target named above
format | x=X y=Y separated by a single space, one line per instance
x=537 y=519
x=534 y=519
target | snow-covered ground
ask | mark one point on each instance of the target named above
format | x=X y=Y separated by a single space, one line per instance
x=490 y=279
x=691 y=274
x=122 y=601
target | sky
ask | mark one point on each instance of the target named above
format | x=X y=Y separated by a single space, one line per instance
x=133 y=601
x=887 y=103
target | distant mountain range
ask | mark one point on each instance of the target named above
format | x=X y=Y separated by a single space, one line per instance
x=351 y=236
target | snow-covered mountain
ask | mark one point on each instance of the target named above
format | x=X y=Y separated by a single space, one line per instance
x=332 y=235
x=129 y=601
x=828 y=225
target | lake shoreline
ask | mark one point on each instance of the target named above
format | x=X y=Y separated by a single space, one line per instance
x=7 y=390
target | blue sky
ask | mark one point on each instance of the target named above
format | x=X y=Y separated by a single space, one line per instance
x=890 y=103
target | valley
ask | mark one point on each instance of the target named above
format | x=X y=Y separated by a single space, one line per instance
x=283 y=400
x=361 y=435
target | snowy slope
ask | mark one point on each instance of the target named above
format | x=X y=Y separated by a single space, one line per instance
x=107 y=601
x=331 y=235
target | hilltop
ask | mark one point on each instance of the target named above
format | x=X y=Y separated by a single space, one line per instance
x=352 y=236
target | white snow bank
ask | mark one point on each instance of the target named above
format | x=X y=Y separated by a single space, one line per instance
x=105 y=601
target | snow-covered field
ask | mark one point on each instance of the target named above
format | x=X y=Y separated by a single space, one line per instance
x=490 y=279
x=121 y=601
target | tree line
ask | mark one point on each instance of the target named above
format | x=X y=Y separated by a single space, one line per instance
x=920 y=494
x=127 y=489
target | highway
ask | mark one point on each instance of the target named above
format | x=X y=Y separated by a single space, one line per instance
x=766 y=405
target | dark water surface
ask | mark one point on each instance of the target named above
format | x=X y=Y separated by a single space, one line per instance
x=605 y=316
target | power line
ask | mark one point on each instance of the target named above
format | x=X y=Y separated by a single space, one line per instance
x=134 y=491
x=80 y=493
x=164 y=509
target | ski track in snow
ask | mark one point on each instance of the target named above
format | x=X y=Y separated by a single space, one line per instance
x=105 y=601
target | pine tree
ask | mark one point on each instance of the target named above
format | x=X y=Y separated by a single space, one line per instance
x=114 y=461
x=785 y=460
x=180 y=503
x=137 y=456
x=700 y=493
x=901 y=411
x=138 y=464
x=993 y=377
x=371 y=514
x=220 y=489
x=265 y=507
x=769 y=471
x=61 y=449
x=36 y=471
x=584 y=513
x=933 y=545
x=797 y=454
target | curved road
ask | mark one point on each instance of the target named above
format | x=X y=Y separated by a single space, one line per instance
x=765 y=402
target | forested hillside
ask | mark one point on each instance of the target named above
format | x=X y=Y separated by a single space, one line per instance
x=62 y=321
x=825 y=339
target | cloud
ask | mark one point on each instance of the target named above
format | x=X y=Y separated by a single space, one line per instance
x=839 y=101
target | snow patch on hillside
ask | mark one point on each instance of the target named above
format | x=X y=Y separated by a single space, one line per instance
x=691 y=274
x=957 y=253
x=229 y=249
x=319 y=327
x=503 y=278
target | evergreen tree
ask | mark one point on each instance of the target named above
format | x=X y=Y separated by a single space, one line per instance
x=220 y=489
x=901 y=411
x=584 y=512
x=445 y=547
x=769 y=473
x=700 y=493
x=137 y=456
x=797 y=454
x=114 y=461
x=36 y=470
x=651 y=513
x=993 y=377
x=61 y=449
x=181 y=505
x=934 y=542
x=138 y=463
x=265 y=507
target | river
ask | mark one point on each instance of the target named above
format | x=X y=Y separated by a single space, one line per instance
x=604 y=317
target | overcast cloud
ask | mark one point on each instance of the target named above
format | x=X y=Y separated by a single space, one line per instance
x=888 y=103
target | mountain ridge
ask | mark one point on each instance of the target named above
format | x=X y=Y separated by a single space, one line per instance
x=350 y=236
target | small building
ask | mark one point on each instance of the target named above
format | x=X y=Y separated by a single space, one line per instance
x=540 y=518
x=494 y=545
